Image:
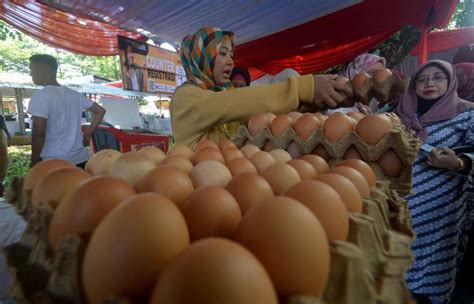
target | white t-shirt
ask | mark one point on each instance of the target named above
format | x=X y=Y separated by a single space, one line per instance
x=62 y=107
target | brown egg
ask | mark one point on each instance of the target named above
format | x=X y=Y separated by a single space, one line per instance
x=304 y=168
x=154 y=153
x=355 y=177
x=361 y=81
x=280 y=124
x=362 y=167
x=293 y=150
x=249 y=150
x=101 y=162
x=390 y=164
x=211 y=211
x=306 y=125
x=207 y=153
x=320 y=151
x=280 y=155
x=381 y=75
x=346 y=189
x=337 y=125
x=281 y=177
x=268 y=146
x=294 y=116
x=373 y=127
x=55 y=185
x=326 y=204
x=168 y=180
x=182 y=150
x=41 y=169
x=130 y=248
x=352 y=153
x=318 y=163
x=226 y=143
x=356 y=115
x=240 y=165
x=249 y=189
x=290 y=243
x=231 y=153
x=257 y=122
x=270 y=116
x=214 y=270
x=131 y=166
x=177 y=160
x=210 y=173
x=205 y=143
x=321 y=117
x=262 y=160
x=81 y=212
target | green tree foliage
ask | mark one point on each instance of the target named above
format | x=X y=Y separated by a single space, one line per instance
x=397 y=47
x=8 y=32
x=19 y=162
x=463 y=15
x=17 y=47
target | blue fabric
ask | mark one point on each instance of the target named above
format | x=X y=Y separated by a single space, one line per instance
x=174 y=20
x=441 y=208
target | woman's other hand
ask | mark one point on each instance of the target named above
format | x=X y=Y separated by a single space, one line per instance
x=444 y=158
x=329 y=93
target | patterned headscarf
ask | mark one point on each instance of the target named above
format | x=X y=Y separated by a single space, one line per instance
x=447 y=107
x=362 y=63
x=198 y=52
x=465 y=75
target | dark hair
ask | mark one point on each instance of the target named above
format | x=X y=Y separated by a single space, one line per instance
x=241 y=71
x=47 y=60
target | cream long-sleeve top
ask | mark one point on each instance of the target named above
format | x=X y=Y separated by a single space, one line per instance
x=197 y=113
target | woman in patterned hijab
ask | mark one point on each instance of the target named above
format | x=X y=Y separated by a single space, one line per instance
x=198 y=54
x=207 y=107
x=364 y=63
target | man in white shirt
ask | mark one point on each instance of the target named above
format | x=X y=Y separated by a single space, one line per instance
x=56 y=114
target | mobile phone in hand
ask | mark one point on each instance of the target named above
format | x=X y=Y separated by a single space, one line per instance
x=427 y=148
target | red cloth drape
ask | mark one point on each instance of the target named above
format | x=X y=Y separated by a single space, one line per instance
x=339 y=37
x=424 y=46
x=59 y=29
x=445 y=40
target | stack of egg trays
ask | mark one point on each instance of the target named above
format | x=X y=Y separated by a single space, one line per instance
x=370 y=266
x=367 y=268
x=403 y=142
x=40 y=275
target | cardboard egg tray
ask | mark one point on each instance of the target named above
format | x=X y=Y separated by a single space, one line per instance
x=373 y=261
x=403 y=142
x=367 y=268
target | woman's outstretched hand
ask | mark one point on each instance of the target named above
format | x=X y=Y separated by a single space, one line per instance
x=444 y=158
x=330 y=93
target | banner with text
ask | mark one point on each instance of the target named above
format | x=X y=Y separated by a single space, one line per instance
x=149 y=68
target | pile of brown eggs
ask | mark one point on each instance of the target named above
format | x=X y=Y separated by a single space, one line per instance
x=216 y=224
x=378 y=139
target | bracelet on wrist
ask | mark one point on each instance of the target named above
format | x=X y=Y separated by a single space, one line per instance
x=461 y=164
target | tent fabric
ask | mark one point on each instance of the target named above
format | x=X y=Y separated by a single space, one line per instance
x=445 y=40
x=63 y=30
x=171 y=21
x=341 y=36
x=307 y=36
